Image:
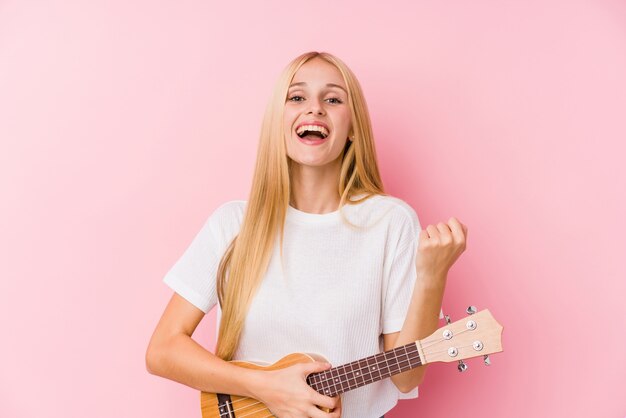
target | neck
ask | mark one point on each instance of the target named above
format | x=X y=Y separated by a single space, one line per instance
x=315 y=189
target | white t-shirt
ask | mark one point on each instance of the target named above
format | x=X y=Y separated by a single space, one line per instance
x=340 y=291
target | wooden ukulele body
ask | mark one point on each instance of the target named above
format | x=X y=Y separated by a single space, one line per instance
x=238 y=406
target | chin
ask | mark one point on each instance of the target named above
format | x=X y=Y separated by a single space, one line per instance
x=310 y=163
x=314 y=163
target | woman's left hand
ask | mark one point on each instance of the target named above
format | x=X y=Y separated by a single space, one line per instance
x=439 y=247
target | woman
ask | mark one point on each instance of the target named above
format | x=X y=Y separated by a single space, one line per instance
x=318 y=260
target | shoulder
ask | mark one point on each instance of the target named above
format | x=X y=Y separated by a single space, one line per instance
x=227 y=216
x=399 y=212
x=229 y=208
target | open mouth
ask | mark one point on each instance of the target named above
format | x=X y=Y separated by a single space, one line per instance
x=312 y=132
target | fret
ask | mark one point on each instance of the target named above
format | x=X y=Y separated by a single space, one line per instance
x=369 y=376
x=413 y=362
x=399 y=360
x=403 y=359
x=398 y=355
x=370 y=369
x=386 y=370
x=318 y=381
x=342 y=382
x=380 y=364
x=310 y=380
x=351 y=376
x=408 y=359
x=352 y=383
x=375 y=369
x=345 y=376
x=359 y=373
x=395 y=364
x=406 y=363
x=417 y=361
x=324 y=377
x=337 y=373
x=391 y=362
x=367 y=373
x=337 y=381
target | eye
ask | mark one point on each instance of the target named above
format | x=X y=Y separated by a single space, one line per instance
x=291 y=99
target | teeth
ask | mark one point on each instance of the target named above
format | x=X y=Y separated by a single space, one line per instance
x=312 y=128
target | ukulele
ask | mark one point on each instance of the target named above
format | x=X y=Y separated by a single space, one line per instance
x=473 y=336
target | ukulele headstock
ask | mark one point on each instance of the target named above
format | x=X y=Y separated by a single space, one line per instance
x=478 y=334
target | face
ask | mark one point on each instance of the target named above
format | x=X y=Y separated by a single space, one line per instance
x=318 y=94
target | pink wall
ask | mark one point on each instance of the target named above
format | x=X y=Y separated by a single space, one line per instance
x=123 y=124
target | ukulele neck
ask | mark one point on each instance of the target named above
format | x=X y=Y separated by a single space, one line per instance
x=349 y=376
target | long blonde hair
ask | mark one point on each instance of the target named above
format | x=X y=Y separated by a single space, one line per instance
x=245 y=261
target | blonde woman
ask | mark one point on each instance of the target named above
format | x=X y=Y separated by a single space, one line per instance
x=318 y=260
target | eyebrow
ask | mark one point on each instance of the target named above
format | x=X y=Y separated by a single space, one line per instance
x=302 y=83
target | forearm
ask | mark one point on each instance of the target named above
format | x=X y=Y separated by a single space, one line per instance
x=183 y=360
x=422 y=319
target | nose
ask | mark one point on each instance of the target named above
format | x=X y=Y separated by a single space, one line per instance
x=314 y=106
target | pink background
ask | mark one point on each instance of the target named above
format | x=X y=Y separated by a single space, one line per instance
x=124 y=124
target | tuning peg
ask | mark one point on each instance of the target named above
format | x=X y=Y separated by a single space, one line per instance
x=486 y=360
x=471 y=310
x=462 y=366
x=447 y=317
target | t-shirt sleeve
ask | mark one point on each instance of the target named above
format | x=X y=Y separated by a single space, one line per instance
x=401 y=274
x=193 y=275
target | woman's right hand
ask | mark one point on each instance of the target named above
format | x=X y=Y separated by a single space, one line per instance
x=287 y=395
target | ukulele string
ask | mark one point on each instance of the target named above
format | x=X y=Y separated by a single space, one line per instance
x=271 y=415
x=411 y=356
x=460 y=347
x=254 y=412
x=434 y=342
x=238 y=410
x=250 y=413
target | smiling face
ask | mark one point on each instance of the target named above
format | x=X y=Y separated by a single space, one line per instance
x=318 y=94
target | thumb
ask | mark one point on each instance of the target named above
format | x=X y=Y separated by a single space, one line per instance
x=316 y=366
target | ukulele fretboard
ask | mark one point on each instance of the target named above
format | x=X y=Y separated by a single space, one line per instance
x=368 y=370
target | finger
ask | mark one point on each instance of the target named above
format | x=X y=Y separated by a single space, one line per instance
x=444 y=232
x=316 y=366
x=337 y=411
x=323 y=400
x=307 y=369
x=338 y=408
x=335 y=414
x=315 y=412
x=432 y=232
x=454 y=220
x=458 y=231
